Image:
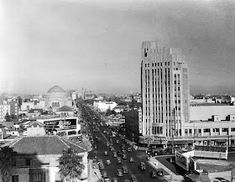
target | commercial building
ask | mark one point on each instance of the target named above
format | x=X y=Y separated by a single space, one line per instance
x=164 y=90
x=166 y=112
x=14 y=109
x=211 y=124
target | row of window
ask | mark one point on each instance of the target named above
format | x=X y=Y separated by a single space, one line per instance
x=159 y=64
x=208 y=130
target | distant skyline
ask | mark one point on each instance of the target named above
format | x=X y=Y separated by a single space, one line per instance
x=96 y=44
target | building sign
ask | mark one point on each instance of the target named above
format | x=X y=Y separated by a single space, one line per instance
x=60 y=124
x=140 y=121
x=181 y=161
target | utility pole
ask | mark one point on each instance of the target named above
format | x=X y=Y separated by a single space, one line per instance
x=173 y=131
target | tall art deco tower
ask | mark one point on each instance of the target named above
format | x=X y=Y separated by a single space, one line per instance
x=164 y=89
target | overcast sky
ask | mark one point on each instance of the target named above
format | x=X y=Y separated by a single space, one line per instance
x=96 y=44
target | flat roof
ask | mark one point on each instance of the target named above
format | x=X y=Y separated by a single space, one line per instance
x=209 y=104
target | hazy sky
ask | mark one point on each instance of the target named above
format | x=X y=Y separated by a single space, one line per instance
x=96 y=44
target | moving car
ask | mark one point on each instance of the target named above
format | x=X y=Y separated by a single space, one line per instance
x=124 y=170
x=105 y=153
x=131 y=160
x=104 y=174
x=114 y=180
x=133 y=178
x=119 y=173
x=108 y=162
x=142 y=166
x=119 y=161
x=124 y=156
x=114 y=154
x=153 y=174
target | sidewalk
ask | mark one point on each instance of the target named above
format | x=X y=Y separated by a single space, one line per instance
x=93 y=172
x=171 y=176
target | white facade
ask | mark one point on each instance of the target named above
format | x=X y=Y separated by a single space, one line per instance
x=103 y=106
x=205 y=112
x=164 y=89
x=210 y=121
x=4 y=109
x=27 y=106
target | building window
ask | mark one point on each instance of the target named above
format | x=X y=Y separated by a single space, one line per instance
x=27 y=162
x=215 y=129
x=232 y=129
x=207 y=130
x=186 y=131
x=224 y=129
x=37 y=177
x=15 y=178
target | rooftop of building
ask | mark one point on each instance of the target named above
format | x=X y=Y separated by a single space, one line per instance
x=56 y=89
x=65 y=109
x=43 y=145
x=208 y=104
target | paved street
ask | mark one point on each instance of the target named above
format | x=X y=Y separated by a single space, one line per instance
x=101 y=135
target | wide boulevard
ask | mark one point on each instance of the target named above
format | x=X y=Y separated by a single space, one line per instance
x=102 y=140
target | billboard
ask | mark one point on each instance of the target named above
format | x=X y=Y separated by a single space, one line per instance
x=181 y=161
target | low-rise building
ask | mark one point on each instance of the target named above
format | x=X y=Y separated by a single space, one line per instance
x=103 y=106
x=37 y=158
x=65 y=111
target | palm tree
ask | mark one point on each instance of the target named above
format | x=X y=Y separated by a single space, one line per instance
x=71 y=165
x=6 y=160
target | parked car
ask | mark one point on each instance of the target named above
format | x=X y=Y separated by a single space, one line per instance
x=160 y=172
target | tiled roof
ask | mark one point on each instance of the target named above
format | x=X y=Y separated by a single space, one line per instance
x=43 y=145
x=65 y=109
x=35 y=123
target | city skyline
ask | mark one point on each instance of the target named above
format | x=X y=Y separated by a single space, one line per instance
x=96 y=45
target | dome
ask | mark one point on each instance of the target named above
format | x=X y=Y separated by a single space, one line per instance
x=56 y=89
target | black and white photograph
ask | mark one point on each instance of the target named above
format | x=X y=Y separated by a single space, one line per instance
x=117 y=90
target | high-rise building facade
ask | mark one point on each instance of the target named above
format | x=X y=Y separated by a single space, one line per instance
x=164 y=89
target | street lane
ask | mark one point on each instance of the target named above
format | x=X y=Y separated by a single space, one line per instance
x=99 y=130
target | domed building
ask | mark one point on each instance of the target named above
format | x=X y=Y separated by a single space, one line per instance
x=57 y=97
